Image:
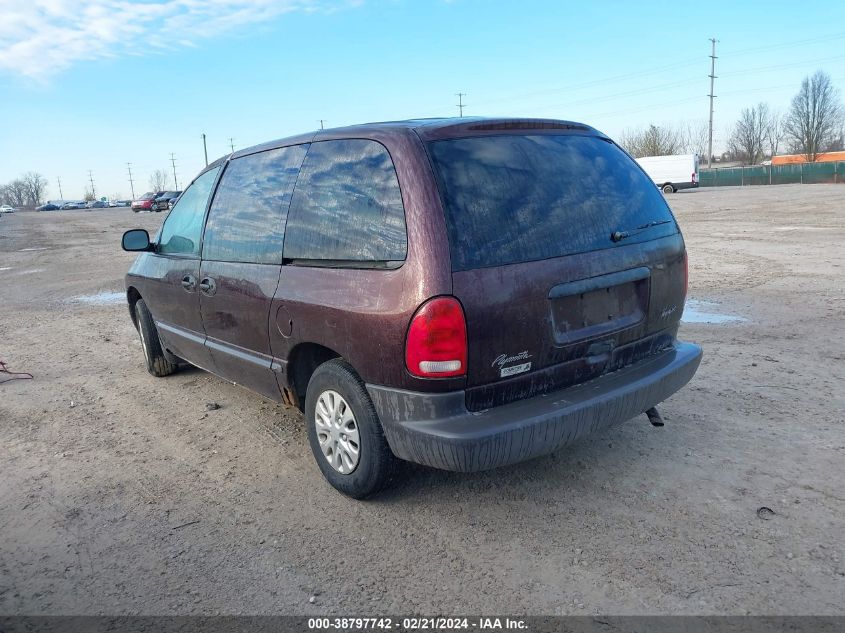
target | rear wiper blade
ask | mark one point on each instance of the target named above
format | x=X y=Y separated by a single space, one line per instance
x=618 y=236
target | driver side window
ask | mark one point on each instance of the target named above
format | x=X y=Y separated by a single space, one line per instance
x=182 y=229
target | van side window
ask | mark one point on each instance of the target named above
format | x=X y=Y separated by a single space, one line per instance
x=347 y=206
x=246 y=222
x=182 y=229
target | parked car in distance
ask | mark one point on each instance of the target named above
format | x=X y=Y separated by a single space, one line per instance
x=461 y=293
x=97 y=204
x=7 y=209
x=671 y=173
x=121 y=203
x=163 y=202
x=74 y=204
x=49 y=206
x=145 y=202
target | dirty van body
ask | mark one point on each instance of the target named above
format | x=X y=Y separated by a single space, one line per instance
x=463 y=294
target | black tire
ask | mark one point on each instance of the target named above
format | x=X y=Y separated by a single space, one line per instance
x=668 y=188
x=376 y=462
x=157 y=363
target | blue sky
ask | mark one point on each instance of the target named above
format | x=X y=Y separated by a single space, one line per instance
x=94 y=85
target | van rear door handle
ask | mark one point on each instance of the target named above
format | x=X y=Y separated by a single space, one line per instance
x=189 y=283
x=208 y=286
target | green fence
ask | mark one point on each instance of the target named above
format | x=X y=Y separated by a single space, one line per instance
x=800 y=173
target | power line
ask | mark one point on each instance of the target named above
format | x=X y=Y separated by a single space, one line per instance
x=768 y=47
x=627 y=93
x=657 y=70
x=173 y=162
x=712 y=96
x=782 y=66
x=131 y=182
x=461 y=104
x=595 y=82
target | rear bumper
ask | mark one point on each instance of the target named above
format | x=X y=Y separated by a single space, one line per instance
x=437 y=430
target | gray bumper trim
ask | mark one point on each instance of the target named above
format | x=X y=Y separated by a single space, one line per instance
x=437 y=430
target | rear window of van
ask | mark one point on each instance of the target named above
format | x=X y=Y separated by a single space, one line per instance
x=512 y=198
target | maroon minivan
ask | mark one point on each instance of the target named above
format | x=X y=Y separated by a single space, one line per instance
x=461 y=293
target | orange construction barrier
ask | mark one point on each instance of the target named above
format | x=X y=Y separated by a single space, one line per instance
x=792 y=159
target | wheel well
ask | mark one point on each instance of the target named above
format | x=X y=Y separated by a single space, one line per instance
x=302 y=362
x=132 y=296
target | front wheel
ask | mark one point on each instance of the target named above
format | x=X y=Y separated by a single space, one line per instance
x=344 y=431
x=668 y=188
x=157 y=363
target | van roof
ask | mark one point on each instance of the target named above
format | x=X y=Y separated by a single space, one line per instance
x=428 y=129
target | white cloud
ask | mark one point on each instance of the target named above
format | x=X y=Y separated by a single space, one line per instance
x=39 y=38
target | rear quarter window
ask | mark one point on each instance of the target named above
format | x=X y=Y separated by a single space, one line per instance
x=347 y=206
x=512 y=198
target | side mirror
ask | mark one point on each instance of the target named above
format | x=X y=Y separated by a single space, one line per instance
x=136 y=240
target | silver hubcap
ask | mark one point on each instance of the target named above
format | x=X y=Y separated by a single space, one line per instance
x=337 y=432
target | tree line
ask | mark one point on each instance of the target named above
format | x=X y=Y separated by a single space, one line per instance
x=813 y=124
x=26 y=191
x=30 y=189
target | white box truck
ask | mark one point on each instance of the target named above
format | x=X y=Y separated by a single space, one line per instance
x=671 y=173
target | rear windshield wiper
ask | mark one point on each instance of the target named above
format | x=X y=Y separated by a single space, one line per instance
x=618 y=236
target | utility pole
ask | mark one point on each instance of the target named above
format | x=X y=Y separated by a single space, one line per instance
x=173 y=162
x=232 y=144
x=461 y=104
x=321 y=124
x=712 y=96
x=205 y=149
x=131 y=183
x=61 y=195
x=91 y=178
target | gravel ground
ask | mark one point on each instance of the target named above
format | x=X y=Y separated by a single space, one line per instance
x=121 y=494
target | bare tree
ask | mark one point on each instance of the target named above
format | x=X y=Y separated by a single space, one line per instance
x=89 y=194
x=695 y=137
x=749 y=134
x=14 y=193
x=774 y=132
x=815 y=116
x=652 y=141
x=158 y=180
x=36 y=186
x=838 y=143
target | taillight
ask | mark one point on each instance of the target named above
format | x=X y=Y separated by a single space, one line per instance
x=693 y=178
x=437 y=340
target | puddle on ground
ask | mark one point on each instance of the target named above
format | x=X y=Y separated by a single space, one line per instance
x=5 y=268
x=696 y=311
x=39 y=248
x=100 y=299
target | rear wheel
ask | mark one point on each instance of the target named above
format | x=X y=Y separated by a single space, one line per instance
x=668 y=188
x=344 y=431
x=157 y=363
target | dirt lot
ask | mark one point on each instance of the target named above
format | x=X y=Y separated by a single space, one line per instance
x=120 y=493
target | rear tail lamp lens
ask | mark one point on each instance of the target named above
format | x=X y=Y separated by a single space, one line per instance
x=437 y=340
